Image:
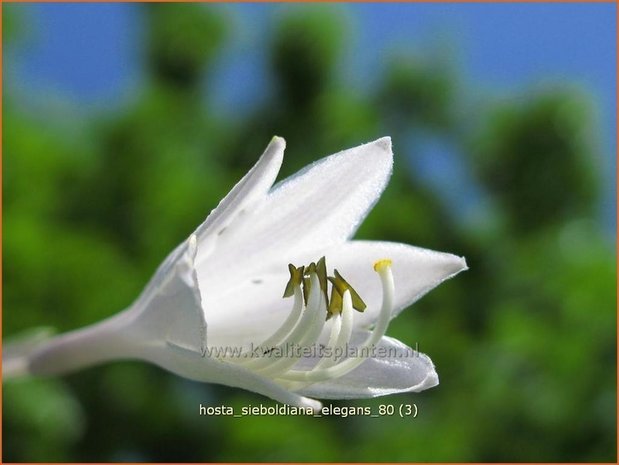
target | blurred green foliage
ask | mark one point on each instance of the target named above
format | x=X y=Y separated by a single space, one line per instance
x=524 y=341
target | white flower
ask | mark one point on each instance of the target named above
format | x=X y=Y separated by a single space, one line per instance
x=214 y=310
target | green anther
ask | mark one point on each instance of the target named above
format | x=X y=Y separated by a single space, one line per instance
x=321 y=271
x=311 y=268
x=296 y=278
x=301 y=276
x=307 y=281
x=335 y=303
x=307 y=287
x=341 y=285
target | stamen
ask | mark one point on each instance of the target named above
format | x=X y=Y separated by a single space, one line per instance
x=383 y=268
x=305 y=323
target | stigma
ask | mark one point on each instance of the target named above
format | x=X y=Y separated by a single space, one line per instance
x=318 y=298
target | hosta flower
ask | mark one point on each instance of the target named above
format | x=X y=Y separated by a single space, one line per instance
x=214 y=310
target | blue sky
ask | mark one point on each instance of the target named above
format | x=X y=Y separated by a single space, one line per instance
x=90 y=53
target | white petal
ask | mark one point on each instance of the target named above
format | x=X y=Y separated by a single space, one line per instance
x=404 y=370
x=252 y=308
x=193 y=365
x=320 y=206
x=416 y=271
x=326 y=202
x=172 y=309
x=246 y=194
x=247 y=312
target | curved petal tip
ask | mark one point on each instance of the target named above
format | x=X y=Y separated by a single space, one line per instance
x=430 y=381
x=459 y=264
x=277 y=142
x=383 y=143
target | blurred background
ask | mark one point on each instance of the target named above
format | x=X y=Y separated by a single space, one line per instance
x=124 y=124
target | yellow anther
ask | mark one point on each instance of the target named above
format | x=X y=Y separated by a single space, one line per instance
x=307 y=287
x=296 y=278
x=381 y=265
x=321 y=270
x=301 y=277
x=335 y=303
x=342 y=285
x=311 y=268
